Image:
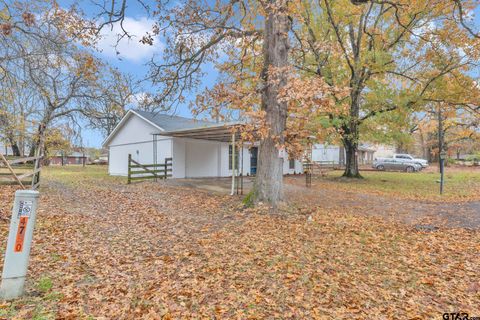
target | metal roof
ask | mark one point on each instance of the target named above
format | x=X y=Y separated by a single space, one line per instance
x=217 y=132
x=366 y=148
x=172 y=123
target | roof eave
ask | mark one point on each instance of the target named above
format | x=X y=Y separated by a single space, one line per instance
x=122 y=122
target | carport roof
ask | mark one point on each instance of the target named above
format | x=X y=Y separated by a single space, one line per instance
x=215 y=132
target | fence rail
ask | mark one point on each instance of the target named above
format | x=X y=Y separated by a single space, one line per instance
x=12 y=172
x=138 y=171
x=327 y=164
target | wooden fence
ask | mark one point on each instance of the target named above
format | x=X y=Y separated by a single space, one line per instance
x=22 y=171
x=138 y=171
x=327 y=164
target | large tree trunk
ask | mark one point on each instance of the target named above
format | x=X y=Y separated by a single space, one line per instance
x=350 y=138
x=351 y=158
x=269 y=181
x=14 y=146
x=16 y=150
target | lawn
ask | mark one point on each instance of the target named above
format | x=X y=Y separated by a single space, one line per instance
x=106 y=250
x=459 y=184
x=79 y=175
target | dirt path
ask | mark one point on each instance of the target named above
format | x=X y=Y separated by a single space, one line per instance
x=439 y=214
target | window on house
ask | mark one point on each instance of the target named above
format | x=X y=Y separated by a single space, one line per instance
x=230 y=157
x=291 y=164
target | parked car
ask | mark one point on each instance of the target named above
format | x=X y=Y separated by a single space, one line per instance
x=421 y=162
x=408 y=158
x=100 y=161
x=396 y=164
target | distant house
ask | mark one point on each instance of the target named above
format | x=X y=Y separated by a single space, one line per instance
x=333 y=154
x=365 y=154
x=197 y=148
x=327 y=153
x=72 y=158
x=384 y=151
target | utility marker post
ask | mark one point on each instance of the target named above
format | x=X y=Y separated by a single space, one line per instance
x=443 y=156
x=441 y=153
x=18 y=244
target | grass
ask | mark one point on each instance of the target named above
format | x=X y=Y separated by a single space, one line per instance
x=248 y=200
x=78 y=174
x=459 y=185
x=45 y=284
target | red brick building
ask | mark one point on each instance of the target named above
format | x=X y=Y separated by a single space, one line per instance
x=72 y=158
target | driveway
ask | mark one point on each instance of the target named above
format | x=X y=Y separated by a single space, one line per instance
x=439 y=214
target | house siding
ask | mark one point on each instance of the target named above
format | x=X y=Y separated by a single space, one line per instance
x=323 y=152
x=135 y=138
x=199 y=158
x=191 y=158
x=244 y=156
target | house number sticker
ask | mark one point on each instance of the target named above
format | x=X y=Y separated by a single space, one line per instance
x=22 y=229
x=24 y=208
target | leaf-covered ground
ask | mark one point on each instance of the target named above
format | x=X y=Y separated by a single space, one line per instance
x=105 y=250
x=461 y=184
x=456 y=212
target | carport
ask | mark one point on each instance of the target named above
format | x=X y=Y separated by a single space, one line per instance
x=226 y=133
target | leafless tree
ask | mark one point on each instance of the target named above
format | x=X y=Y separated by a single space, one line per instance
x=115 y=93
x=64 y=82
x=18 y=105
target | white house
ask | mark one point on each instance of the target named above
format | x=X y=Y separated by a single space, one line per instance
x=197 y=148
x=328 y=153
x=384 y=151
x=333 y=154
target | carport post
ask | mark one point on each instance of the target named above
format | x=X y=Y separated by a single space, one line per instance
x=233 y=164
x=241 y=170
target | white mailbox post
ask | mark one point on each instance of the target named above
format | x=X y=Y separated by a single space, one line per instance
x=18 y=244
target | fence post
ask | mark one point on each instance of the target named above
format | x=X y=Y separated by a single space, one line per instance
x=18 y=244
x=129 y=169
x=36 y=177
x=166 y=168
